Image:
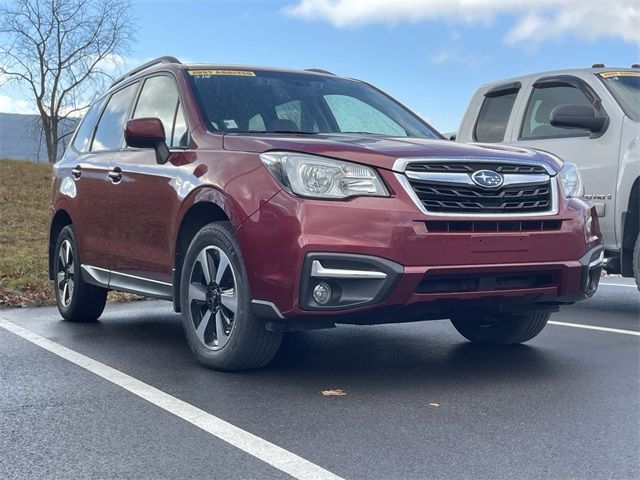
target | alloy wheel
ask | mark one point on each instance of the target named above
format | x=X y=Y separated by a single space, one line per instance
x=65 y=279
x=213 y=299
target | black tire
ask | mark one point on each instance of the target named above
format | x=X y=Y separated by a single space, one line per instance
x=86 y=302
x=636 y=262
x=248 y=344
x=503 y=329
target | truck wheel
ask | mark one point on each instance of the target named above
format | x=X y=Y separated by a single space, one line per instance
x=77 y=300
x=636 y=262
x=221 y=329
x=502 y=329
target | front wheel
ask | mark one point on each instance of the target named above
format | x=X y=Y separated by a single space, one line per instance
x=219 y=323
x=501 y=329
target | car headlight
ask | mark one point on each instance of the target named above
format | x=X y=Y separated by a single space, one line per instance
x=321 y=177
x=571 y=180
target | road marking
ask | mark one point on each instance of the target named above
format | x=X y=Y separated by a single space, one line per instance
x=617 y=285
x=269 y=453
x=593 y=327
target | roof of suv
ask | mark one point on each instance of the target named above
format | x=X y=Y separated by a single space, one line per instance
x=172 y=63
x=567 y=71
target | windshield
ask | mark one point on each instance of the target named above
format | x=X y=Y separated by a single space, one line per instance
x=625 y=87
x=280 y=102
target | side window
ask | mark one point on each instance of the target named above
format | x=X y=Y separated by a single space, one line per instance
x=536 y=123
x=494 y=116
x=85 y=130
x=159 y=99
x=353 y=115
x=110 y=131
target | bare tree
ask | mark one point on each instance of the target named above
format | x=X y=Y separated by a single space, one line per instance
x=62 y=51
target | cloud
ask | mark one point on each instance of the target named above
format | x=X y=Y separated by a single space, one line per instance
x=13 y=105
x=534 y=20
x=451 y=52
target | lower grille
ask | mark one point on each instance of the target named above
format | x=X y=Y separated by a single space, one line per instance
x=484 y=282
x=488 y=226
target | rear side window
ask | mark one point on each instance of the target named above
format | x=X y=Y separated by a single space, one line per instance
x=494 y=116
x=537 y=124
x=82 y=139
x=353 y=115
x=159 y=98
x=110 y=131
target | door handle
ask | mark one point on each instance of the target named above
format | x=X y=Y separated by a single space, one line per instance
x=115 y=174
x=76 y=172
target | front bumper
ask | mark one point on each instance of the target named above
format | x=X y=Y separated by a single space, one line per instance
x=429 y=272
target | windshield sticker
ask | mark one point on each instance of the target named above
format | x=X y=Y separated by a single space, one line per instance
x=238 y=73
x=230 y=123
x=619 y=74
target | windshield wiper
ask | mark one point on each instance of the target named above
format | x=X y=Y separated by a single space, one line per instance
x=296 y=132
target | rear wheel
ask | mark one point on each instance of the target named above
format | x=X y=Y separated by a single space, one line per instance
x=219 y=323
x=77 y=300
x=502 y=329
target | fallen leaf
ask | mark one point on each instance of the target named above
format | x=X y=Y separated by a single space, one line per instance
x=335 y=392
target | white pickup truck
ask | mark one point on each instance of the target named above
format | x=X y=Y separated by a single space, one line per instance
x=589 y=116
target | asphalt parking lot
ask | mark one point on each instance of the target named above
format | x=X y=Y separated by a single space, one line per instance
x=420 y=401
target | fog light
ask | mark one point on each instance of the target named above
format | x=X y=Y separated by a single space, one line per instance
x=322 y=293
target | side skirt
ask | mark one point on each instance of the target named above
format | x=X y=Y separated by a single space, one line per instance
x=123 y=282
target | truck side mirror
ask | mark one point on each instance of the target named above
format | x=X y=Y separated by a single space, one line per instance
x=577 y=116
x=147 y=133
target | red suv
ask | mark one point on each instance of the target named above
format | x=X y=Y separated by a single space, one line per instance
x=262 y=201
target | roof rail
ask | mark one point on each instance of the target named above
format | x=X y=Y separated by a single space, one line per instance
x=597 y=65
x=144 y=66
x=635 y=65
x=319 y=70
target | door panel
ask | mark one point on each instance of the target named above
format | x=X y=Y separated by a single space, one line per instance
x=145 y=203
x=92 y=208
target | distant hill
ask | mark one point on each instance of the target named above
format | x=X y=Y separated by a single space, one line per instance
x=21 y=137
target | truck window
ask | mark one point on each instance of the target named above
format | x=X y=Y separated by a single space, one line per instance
x=494 y=116
x=536 y=123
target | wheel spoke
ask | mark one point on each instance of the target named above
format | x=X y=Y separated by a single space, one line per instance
x=70 y=288
x=196 y=293
x=229 y=300
x=65 y=293
x=63 y=262
x=206 y=264
x=222 y=267
x=221 y=334
x=203 y=326
x=60 y=278
x=67 y=253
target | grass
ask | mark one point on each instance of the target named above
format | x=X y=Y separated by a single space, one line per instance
x=25 y=191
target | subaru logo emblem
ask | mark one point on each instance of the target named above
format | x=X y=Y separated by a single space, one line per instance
x=487 y=179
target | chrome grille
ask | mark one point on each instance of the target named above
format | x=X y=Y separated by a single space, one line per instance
x=446 y=188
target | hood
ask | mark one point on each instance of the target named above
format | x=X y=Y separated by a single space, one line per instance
x=381 y=152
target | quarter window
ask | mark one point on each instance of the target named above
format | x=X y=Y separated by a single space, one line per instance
x=543 y=100
x=494 y=116
x=159 y=99
x=110 y=131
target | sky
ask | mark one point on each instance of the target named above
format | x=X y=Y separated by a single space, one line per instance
x=430 y=55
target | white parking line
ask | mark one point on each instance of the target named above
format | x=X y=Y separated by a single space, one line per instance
x=593 y=327
x=617 y=285
x=269 y=453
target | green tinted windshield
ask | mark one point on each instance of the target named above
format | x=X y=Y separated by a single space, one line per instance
x=283 y=102
x=625 y=87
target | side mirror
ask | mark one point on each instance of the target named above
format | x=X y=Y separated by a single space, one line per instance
x=577 y=116
x=147 y=133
